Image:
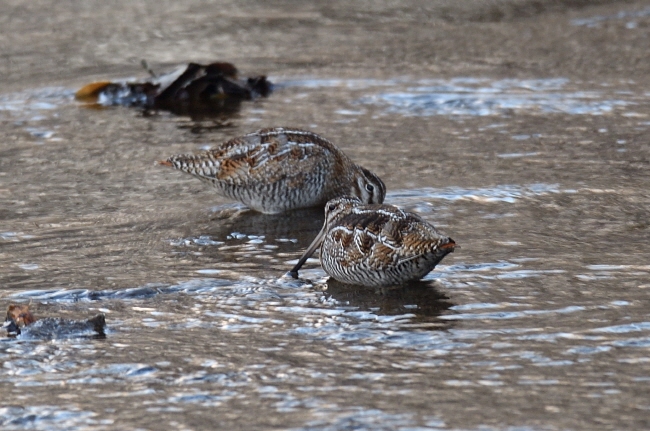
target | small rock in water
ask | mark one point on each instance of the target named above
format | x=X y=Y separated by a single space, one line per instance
x=57 y=328
x=21 y=322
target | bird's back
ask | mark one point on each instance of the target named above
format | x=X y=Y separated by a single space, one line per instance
x=271 y=170
x=380 y=245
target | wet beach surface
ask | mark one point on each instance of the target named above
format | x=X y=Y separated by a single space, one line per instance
x=518 y=128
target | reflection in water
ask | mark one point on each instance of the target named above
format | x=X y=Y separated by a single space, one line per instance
x=418 y=298
x=217 y=111
x=246 y=243
x=301 y=224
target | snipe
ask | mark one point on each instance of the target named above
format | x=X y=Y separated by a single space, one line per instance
x=276 y=170
x=375 y=245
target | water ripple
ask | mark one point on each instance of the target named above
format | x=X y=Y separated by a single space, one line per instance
x=513 y=314
x=623 y=329
x=503 y=193
x=596 y=21
x=483 y=97
x=43 y=417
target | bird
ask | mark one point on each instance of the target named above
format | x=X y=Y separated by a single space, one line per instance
x=279 y=169
x=375 y=245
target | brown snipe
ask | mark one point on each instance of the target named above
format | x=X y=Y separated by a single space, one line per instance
x=279 y=169
x=375 y=245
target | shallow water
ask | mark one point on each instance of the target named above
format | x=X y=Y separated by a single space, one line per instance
x=539 y=321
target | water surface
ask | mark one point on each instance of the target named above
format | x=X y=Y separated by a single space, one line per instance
x=539 y=320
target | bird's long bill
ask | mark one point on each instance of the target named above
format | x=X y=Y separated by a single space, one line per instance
x=310 y=250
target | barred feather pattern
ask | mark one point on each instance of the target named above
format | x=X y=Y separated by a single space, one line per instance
x=279 y=169
x=378 y=245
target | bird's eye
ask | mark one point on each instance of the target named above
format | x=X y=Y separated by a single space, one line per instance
x=370 y=188
x=332 y=207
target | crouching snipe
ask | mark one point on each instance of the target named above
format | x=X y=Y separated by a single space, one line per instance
x=375 y=245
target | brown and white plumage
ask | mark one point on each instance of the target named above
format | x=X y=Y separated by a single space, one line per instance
x=376 y=245
x=279 y=169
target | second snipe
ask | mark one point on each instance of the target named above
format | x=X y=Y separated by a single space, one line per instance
x=376 y=245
